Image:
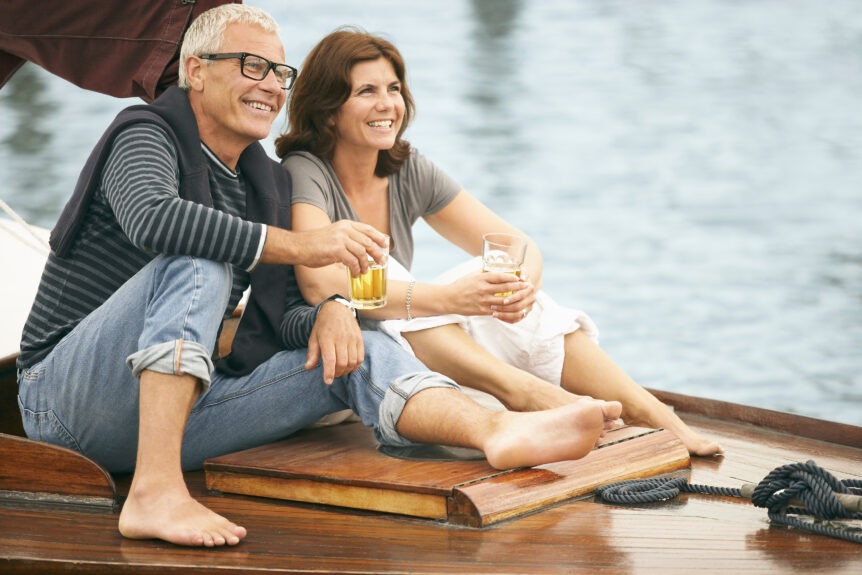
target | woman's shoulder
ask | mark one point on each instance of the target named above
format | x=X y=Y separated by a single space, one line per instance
x=419 y=170
x=416 y=166
x=312 y=180
x=302 y=160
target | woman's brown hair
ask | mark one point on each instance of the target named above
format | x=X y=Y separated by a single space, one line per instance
x=324 y=85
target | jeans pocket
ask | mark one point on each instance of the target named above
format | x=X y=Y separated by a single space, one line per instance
x=46 y=426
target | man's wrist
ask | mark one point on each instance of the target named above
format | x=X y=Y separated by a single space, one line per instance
x=338 y=298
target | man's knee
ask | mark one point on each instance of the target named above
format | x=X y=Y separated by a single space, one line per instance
x=211 y=278
x=184 y=312
x=378 y=344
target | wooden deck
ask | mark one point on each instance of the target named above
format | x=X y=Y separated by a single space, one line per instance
x=342 y=465
x=693 y=533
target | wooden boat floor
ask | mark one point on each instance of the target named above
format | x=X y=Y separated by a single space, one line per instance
x=692 y=533
x=342 y=465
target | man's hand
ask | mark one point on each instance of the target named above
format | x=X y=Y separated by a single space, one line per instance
x=345 y=241
x=337 y=340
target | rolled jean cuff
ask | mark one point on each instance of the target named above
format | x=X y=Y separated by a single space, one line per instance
x=401 y=390
x=178 y=357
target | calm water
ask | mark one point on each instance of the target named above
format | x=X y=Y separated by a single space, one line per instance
x=691 y=169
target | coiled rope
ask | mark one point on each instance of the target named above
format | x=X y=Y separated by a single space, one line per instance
x=823 y=497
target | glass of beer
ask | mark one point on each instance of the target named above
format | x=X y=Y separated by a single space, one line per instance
x=368 y=290
x=503 y=253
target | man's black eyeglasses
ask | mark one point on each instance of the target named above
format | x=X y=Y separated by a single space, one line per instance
x=257 y=67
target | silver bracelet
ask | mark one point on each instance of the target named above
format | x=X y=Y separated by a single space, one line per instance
x=407 y=300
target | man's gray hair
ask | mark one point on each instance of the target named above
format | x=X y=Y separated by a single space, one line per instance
x=206 y=33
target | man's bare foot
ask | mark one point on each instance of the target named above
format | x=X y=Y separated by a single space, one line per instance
x=563 y=433
x=174 y=516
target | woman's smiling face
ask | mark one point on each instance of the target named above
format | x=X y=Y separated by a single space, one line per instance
x=371 y=116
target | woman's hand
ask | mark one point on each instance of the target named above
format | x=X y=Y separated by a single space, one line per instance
x=497 y=294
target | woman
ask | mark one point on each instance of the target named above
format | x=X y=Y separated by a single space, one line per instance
x=344 y=150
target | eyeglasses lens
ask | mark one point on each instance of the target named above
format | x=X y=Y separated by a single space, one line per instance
x=257 y=68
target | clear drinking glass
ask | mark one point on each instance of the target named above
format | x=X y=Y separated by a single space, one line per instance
x=368 y=291
x=503 y=253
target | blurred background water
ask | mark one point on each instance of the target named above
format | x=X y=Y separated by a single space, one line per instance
x=691 y=169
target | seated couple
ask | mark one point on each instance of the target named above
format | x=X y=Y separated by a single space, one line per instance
x=176 y=212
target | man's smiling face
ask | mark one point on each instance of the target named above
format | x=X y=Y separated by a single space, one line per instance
x=234 y=111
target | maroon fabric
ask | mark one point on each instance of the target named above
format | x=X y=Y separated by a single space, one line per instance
x=122 y=49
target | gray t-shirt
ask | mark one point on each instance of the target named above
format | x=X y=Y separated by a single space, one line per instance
x=418 y=189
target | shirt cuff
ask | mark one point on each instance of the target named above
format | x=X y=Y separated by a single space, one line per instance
x=259 y=252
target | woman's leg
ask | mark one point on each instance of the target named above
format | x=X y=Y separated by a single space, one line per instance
x=588 y=370
x=449 y=350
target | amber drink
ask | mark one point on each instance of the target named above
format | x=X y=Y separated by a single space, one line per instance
x=368 y=291
x=503 y=253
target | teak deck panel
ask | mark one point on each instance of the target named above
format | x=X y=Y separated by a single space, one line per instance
x=690 y=534
x=341 y=466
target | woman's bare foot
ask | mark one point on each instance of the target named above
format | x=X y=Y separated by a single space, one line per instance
x=697 y=444
x=563 y=433
x=664 y=417
x=543 y=395
x=174 y=516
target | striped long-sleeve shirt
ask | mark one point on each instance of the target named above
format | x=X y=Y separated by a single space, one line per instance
x=137 y=214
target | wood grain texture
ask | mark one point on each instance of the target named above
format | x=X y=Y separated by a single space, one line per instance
x=341 y=465
x=38 y=471
x=483 y=503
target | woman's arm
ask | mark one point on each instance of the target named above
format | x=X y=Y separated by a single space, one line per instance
x=471 y=295
x=465 y=220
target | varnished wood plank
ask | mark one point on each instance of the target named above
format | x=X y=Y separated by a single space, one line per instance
x=311 y=491
x=341 y=466
x=483 y=503
x=42 y=472
x=348 y=455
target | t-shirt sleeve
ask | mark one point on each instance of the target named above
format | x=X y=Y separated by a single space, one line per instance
x=311 y=182
x=428 y=189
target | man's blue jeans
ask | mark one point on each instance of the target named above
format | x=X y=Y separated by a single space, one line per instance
x=84 y=394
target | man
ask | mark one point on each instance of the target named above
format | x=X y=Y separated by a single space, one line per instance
x=176 y=205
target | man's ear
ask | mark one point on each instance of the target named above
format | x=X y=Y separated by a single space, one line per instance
x=195 y=72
